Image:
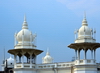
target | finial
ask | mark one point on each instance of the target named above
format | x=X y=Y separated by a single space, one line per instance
x=25 y=26
x=10 y=56
x=84 y=22
x=24 y=17
x=47 y=52
x=84 y=15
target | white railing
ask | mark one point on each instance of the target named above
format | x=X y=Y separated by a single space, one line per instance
x=25 y=65
x=55 y=65
x=85 y=61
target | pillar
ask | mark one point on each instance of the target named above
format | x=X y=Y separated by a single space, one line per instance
x=91 y=54
x=22 y=60
x=75 y=54
x=85 y=53
x=35 y=60
x=79 y=54
x=19 y=59
x=94 y=54
x=30 y=60
x=15 y=60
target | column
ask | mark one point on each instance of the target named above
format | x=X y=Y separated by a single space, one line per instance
x=27 y=59
x=22 y=60
x=19 y=59
x=75 y=54
x=79 y=54
x=91 y=54
x=15 y=60
x=30 y=60
x=94 y=54
x=85 y=53
x=35 y=60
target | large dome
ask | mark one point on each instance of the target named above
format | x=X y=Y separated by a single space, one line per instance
x=24 y=37
x=85 y=32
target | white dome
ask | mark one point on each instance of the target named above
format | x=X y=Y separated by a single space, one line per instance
x=47 y=58
x=84 y=31
x=26 y=34
x=85 y=34
x=10 y=62
x=24 y=37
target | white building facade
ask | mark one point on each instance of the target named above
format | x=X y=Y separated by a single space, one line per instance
x=25 y=53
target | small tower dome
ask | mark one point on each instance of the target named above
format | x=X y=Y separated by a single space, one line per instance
x=85 y=34
x=47 y=58
x=9 y=62
x=24 y=37
x=84 y=31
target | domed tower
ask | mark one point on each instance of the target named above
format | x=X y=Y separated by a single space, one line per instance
x=85 y=40
x=24 y=51
x=47 y=58
x=8 y=64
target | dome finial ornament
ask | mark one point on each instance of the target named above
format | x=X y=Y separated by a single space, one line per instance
x=84 y=22
x=84 y=15
x=25 y=26
x=47 y=52
x=24 y=17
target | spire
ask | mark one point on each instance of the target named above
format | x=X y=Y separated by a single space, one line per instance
x=84 y=22
x=47 y=52
x=24 y=26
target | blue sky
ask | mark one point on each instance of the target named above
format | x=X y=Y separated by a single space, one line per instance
x=54 y=21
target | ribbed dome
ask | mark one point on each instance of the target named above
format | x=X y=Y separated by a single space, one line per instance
x=24 y=37
x=84 y=34
x=26 y=34
x=84 y=31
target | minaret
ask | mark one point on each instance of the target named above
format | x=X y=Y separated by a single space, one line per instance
x=85 y=41
x=24 y=51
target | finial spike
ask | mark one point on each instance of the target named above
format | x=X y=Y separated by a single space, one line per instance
x=24 y=17
x=25 y=26
x=84 y=15
x=48 y=51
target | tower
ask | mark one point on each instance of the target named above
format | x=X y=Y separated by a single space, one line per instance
x=85 y=40
x=24 y=51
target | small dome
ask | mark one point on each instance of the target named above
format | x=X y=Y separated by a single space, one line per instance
x=10 y=62
x=47 y=58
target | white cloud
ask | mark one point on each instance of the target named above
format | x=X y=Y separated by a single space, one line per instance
x=79 y=6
